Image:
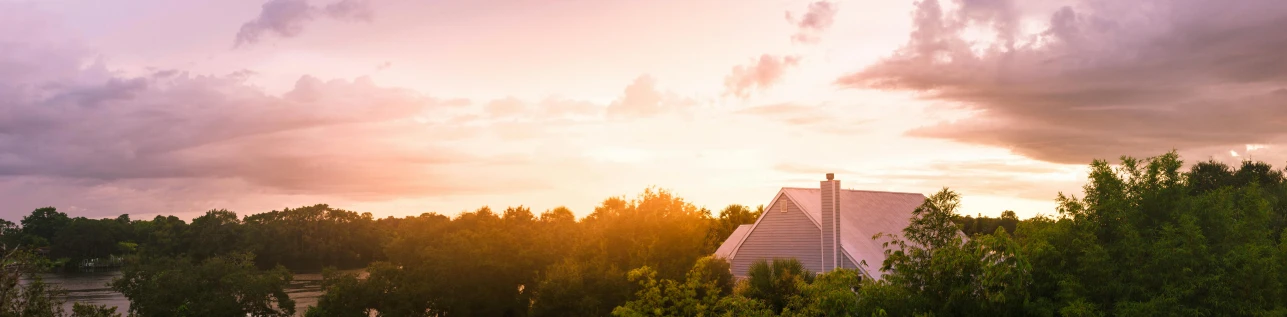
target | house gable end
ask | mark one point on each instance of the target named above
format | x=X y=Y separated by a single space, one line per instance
x=783 y=231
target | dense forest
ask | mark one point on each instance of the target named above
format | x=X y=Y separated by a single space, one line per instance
x=1146 y=237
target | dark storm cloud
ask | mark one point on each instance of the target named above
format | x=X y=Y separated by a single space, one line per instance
x=1102 y=79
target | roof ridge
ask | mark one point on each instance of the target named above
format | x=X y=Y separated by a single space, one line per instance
x=858 y=190
x=881 y=191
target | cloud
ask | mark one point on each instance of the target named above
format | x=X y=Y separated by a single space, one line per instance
x=90 y=127
x=354 y=10
x=790 y=114
x=549 y=110
x=320 y=137
x=505 y=107
x=817 y=19
x=170 y=141
x=761 y=74
x=1100 y=79
x=286 y=18
x=818 y=118
x=642 y=98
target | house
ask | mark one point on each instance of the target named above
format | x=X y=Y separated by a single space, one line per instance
x=824 y=228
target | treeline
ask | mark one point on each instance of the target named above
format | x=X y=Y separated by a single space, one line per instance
x=1147 y=237
x=306 y=238
x=488 y=263
x=516 y=263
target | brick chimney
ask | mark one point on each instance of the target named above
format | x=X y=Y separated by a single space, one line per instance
x=830 y=223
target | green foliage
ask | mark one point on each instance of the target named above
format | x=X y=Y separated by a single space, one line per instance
x=738 y=306
x=86 y=310
x=33 y=297
x=776 y=282
x=226 y=285
x=306 y=238
x=162 y=236
x=830 y=294
x=1148 y=239
x=36 y=298
x=657 y=229
x=10 y=233
x=41 y=226
x=729 y=219
x=301 y=239
x=85 y=238
x=1144 y=238
x=514 y=263
x=573 y=288
x=975 y=225
x=217 y=232
x=343 y=296
x=698 y=295
x=950 y=274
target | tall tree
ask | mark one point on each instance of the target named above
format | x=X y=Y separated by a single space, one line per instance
x=43 y=224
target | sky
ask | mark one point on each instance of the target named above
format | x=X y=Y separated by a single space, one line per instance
x=401 y=107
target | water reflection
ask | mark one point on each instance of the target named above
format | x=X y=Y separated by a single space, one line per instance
x=91 y=288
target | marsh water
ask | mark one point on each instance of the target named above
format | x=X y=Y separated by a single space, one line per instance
x=91 y=288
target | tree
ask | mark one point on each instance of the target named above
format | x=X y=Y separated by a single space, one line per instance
x=87 y=310
x=949 y=274
x=1148 y=239
x=831 y=294
x=227 y=285
x=10 y=233
x=776 y=283
x=574 y=288
x=161 y=236
x=86 y=238
x=215 y=233
x=311 y=237
x=729 y=219
x=43 y=223
x=656 y=229
x=697 y=295
x=344 y=295
x=35 y=298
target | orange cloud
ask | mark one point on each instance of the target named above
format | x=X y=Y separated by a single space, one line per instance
x=642 y=98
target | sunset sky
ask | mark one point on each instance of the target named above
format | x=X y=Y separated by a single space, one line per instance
x=399 y=107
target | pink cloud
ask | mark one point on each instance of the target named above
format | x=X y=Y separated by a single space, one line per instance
x=286 y=18
x=642 y=98
x=759 y=75
x=1102 y=79
x=817 y=19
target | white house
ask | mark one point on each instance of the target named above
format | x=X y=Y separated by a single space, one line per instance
x=824 y=228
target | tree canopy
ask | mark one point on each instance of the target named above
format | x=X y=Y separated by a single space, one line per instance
x=1144 y=237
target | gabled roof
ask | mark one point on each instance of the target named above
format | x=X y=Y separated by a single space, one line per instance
x=725 y=250
x=863 y=214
